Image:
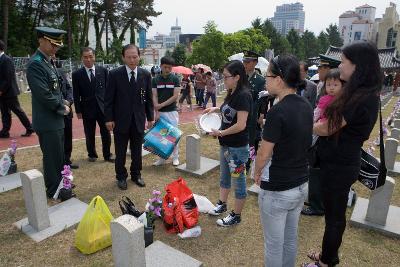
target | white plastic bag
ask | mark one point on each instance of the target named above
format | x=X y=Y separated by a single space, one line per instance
x=5 y=163
x=192 y=232
x=203 y=203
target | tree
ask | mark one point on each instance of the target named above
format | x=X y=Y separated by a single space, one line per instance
x=257 y=23
x=258 y=42
x=323 y=42
x=334 y=35
x=5 y=5
x=311 y=45
x=179 y=55
x=236 y=42
x=296 y=44
x=209 y=49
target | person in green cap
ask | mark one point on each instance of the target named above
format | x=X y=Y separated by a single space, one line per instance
x=48 y=106
x=257 y=84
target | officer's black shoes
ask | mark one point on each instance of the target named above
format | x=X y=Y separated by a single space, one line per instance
x=28 y=133
x=138 y=180
x=74 y=166
x=4 y=135
x=122 y=184
x=308 y=211
x=111 y=158
x=92 y=159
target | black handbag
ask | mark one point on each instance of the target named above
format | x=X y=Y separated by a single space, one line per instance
x=372 y=172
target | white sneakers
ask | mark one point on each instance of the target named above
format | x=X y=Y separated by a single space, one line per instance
x=160 y=162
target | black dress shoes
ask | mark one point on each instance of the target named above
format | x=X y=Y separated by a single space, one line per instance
x=28 y=133
x=122 y=184
x=138 y=180
x=4 y=135
x=74 y=166
x=308 y=211
x=111 y=158
x=92 y=159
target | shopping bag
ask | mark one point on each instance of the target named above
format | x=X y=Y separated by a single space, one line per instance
x=162 y=139
x=172 y=215
x=94 y=231
x=179 y=190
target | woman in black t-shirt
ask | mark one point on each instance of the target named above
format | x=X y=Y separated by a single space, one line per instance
x=234 y=141
x=286 y=139
x=350 y=120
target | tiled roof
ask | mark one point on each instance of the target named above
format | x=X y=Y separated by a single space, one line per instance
x=387 y=57
x=365 y=6
x=349 y=14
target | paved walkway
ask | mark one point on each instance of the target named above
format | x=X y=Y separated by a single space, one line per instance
x=17 y=129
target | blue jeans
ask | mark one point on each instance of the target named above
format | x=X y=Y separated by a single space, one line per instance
x=280 y=212
x=233 y=165
x=213 y=99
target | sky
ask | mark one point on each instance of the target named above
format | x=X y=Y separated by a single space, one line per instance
x=235 y=15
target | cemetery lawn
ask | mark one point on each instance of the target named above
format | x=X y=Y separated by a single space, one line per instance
x=241 y=245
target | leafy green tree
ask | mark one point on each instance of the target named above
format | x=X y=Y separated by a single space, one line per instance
x=334 y=35
x=296 y=44
x=310 y=43
x=179 y=54
x=236 y=42
x=323 y=42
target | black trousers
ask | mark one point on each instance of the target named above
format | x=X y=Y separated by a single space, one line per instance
x=315 y=192
x=52 y=146
x=89 y=125
x=12 y=104
x=67 y=139
x=336 y=181
x=135 y=139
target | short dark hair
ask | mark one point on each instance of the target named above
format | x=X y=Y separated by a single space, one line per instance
x=167 y=61
x=130 y=46
x=87 y=49
x=305 y=65
x=2 y=45
x=287 y=67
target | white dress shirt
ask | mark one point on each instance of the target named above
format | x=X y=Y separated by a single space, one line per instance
x=88 y=71
x=129 y=70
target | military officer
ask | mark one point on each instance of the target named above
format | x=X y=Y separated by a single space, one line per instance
x=48 y=106
x=257 y=84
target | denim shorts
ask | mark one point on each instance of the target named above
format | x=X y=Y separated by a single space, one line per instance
x=233 y=166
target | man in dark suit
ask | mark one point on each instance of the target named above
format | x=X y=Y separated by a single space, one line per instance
x=9 y=92
x=128 y=103
x=66 y=91
x=89 y=83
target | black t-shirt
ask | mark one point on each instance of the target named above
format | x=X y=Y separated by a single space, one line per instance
x=288 y=125
x=239 y=101
x=345 y=148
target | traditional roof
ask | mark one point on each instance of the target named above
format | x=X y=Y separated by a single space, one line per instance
x=387 y=57
x=365 y=6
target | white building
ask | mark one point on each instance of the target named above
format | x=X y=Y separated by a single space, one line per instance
x=289 y=16
x=357 y=25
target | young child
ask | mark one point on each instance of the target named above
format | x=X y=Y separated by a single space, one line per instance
x=331 y=89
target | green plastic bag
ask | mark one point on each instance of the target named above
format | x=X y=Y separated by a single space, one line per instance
x=94 y=231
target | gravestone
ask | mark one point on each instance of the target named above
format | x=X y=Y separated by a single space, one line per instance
x=395 y=133
x=10 y=182
x=195 y=164
x=377 y=213
x=391 y=145
x=128 y=247
x=43 y=222
x=127 y=242
x=396 y=123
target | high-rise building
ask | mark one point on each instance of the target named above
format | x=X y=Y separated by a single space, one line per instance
x=357 y=25
x=289 y=16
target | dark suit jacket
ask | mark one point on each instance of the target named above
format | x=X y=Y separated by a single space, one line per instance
x=310 y=92
x=123 y=103
x=85 y=96
x=66 y=89
x=8 y=81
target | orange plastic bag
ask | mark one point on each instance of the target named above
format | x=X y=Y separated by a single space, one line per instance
x=94 y=231
x=172 y=217
x=181 y=193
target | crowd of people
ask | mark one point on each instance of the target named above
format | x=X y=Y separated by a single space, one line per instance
x=307 y=137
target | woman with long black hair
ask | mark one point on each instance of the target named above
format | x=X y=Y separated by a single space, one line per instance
x=234 y=141
x=350 y=120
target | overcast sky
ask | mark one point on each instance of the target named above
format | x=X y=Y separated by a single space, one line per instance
x=234 y=15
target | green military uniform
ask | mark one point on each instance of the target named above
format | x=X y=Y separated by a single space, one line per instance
x=48 y=110
x=257 y=84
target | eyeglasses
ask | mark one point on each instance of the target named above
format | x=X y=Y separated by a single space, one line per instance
x=226 y=77
x=271 y=76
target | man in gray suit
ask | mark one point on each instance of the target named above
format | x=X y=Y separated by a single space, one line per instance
x=309 y=88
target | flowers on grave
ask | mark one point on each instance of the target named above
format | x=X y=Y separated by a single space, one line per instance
x=67 y=177
x=64 y=190
x=12 y=150
x=154 y=208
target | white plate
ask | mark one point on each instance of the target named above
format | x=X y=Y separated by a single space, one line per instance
x=210 y=121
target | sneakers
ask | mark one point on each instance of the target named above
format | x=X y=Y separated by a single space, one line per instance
x=159 y=162
x=175 y=162
x=229 y=220
x=220 y=208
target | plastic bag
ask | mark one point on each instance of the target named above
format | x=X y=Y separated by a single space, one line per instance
x=204 y=205
x=172 y=215
x=193 y=232
x=179 y=190
x=94 y=231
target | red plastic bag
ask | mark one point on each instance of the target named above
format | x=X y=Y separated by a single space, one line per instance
x=186 y=205
x=172 y=217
